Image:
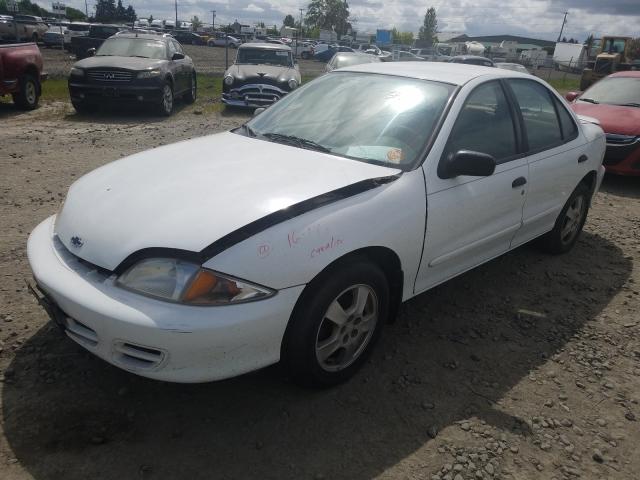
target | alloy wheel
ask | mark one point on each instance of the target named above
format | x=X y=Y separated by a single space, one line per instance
x=30 y=93
x=167 y=98
x=573 y=219
x=346 y=328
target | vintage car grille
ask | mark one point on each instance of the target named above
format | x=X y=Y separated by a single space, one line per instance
x=117 y=76
x=619 y=147
x=257 y=94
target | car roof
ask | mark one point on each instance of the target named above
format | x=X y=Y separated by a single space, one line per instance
x=146 y=36
x=265 y=46
x=453 y=73
x=629 y=73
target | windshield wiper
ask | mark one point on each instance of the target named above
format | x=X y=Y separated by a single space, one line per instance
x=630 y=104
x=588 y=100
x=139 y=56
x=296 y=142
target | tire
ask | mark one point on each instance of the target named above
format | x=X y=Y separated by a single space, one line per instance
x=191 y=95
x=165 y=105
x=569 y=223
x=319 y=352
x=29 y=94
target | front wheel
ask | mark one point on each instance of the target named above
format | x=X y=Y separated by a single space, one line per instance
x=336 y=323
x=190 y=96
x=569 y=223
x=165 y=106
x=29 y=94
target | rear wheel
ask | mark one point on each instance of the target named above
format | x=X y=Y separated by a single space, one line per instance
x=190 y=96
x=29 y=94
x=569 y=223
x=335 y=325
x=165 y=106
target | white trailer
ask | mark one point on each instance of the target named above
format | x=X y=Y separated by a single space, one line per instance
x=570 y=56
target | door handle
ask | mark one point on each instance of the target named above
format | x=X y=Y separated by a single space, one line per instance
x=518 y=182
x=582 y=158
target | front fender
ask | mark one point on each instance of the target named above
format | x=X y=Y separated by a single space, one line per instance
x=295 y=251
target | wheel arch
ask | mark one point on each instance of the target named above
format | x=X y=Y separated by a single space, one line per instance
x=32 y=70
x=383 y=257
x=590 y=180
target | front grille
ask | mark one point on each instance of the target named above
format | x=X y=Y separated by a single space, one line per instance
x=603 y=66
x=258 y=94
x=619 y=147
x=117 y=76
x=137 y=356
x=79 y=332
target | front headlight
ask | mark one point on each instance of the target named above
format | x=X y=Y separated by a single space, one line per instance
x=228 y=80
x=76 y=72
x=184 y=282
x=293 y=84
x=149 y=74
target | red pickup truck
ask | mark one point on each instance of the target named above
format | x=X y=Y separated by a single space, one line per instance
x=21 y=73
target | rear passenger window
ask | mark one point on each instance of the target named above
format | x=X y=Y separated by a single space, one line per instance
x=569 y=128
x=484 y=124
x=539 y=114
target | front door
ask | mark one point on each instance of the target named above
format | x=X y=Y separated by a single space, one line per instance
x=473 y=219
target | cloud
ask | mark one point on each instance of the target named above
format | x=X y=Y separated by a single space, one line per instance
x=535 y=18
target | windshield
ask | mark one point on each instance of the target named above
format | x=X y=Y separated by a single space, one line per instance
x=74 y=27
x=261 y=56
x=379 y=119
x=614 y=91
x=614 y=45
x=133 y=47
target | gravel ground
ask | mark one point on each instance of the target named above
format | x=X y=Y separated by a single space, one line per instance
x=525 y=368
x=209 y=60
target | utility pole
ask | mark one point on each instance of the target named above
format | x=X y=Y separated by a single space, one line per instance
x=301 y=10
x=564 y=21
x=86 y=9
x=176 y=4
x=213 y=21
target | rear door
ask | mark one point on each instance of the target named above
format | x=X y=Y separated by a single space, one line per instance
x=473 y=219
x=556 y=152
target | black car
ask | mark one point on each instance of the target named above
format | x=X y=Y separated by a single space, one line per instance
x=134 y=68
x=472 y=60
x=187 y=38
x=262 y=74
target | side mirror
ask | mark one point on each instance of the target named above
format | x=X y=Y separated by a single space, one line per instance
x=258 y=111
x=572 y=96
x=177 y=56
x=91 y=52
x=467 y=162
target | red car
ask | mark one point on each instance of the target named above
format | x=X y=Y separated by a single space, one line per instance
x=615 y=102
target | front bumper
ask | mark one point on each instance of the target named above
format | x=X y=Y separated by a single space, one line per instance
x=152 y=338
x=253 y=95
x=92 y=93
x=623 y=155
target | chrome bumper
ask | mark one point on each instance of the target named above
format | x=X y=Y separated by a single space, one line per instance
x=253 y=95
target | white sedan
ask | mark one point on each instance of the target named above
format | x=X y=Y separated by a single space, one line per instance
x=295 y=237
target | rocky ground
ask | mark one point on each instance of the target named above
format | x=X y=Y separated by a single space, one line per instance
x=525 y=368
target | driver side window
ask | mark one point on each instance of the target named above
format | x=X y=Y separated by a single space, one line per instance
x=485 y=124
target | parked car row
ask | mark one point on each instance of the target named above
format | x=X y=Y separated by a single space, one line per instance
x=22 y=28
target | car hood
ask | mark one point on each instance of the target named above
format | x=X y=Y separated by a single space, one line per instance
x=129 y=63
x=612 y=118
x=268 y=72
x=190 y=194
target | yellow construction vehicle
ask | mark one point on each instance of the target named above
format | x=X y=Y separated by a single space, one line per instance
x=613 y=56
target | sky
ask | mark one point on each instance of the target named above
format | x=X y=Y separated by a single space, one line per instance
x=535 y=18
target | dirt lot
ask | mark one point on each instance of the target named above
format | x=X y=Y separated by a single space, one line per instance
x=525 y=368
x=209 y=60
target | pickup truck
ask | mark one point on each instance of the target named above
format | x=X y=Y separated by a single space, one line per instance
x=96 y=36
x=27 y=28
x=21 y=73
